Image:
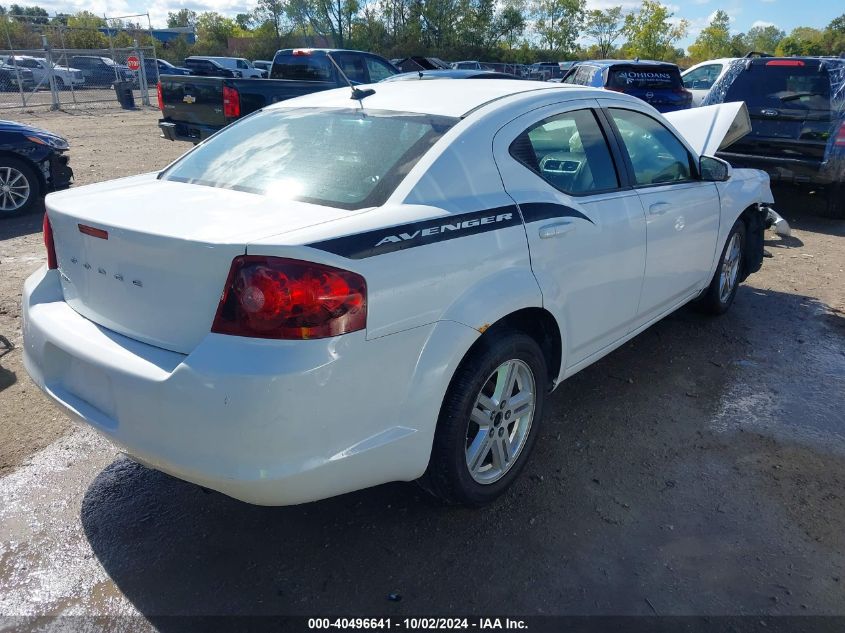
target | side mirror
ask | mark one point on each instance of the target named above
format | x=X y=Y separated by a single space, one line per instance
x=714 y=169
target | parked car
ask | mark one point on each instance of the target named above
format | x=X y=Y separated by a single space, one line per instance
x=193 y=108
x=236 y=64
x=65 y=76
x=449 y=74
x=700 y=78
x=797 y=111
x=12 y=78
x=657 y=83
x=202 y=67
x=332 y=294
x=33 y=162
x=469 y=65
x=263 y=64
x=101 y=72
x=543 y=71
x=153 y=68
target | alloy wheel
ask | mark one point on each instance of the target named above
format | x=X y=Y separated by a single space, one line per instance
x=500 y=421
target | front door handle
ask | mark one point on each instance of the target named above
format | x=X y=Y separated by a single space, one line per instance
x=558 y=229
x=659 y=208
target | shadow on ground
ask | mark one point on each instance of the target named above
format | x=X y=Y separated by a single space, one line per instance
x=678 y=475
x=25 y=224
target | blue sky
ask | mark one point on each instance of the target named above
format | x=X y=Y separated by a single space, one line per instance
x=786 y=14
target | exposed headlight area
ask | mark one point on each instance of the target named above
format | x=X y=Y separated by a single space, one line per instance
x=56 y=142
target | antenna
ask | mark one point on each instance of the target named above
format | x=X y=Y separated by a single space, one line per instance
x=357 y=93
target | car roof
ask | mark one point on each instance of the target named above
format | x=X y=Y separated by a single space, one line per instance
x=455 y=98
x=451 y=73
x=605 y=63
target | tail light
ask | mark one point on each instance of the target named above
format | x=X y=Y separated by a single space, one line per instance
x=273 y=297
x=231 y=102
x=52 y=262
x=839 y=139
x=160 y=97
x=785 y=62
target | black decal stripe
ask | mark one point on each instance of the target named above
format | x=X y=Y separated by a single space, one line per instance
x=397 y=238
x=536 y=211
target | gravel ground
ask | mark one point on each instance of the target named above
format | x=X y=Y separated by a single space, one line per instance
x=697 y=470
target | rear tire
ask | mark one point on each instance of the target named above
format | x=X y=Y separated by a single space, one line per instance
x=834 y=206
x=19 y=187
x=719 y=296
x=60 y=84
x=489 y=419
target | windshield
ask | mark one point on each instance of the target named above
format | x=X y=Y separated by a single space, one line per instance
x=107 y=61
x=342 y=158
x=782 y=87
x=645 y=77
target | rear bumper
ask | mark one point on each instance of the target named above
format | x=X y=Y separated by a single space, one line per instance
x=190 y=132
x=791 y=170
x=267 y=422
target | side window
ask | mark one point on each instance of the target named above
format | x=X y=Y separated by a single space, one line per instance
x=378 y=69
x=242 y=64
x=569 y=152
x=571 y=76
x=702 y=78
x=353 y=67
x=585 y=75
x=656 y=154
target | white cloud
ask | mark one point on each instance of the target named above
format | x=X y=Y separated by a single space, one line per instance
x=763 y=24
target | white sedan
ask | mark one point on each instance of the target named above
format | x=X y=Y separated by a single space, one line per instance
x=334 y=293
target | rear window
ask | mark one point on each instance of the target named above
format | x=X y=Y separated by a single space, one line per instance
x=302 y=68
x=645 y=77
x=782 y=87
x=341 y=158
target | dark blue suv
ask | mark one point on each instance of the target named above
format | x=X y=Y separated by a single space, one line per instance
x=797 y=110
x=657 y=83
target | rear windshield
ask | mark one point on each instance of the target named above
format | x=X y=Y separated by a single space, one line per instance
x=302 y=68
x=645 y=77
x=341 y=158
x=782 y=87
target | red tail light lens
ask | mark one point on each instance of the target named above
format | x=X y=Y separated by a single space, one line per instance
x=273 y=297
x=839 y=140
x=785 y=62
x=231 y=102
x=52 y=262
x=160 y=97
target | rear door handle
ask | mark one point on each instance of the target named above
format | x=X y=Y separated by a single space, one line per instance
x=558 y=229
x=659 y=208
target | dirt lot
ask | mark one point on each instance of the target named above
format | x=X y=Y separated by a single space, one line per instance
x=105 y=145
x=697 y=470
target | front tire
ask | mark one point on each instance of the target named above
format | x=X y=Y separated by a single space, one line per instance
x=720 y=294
x=19 y=187
x=489 y=419
x=834 y=206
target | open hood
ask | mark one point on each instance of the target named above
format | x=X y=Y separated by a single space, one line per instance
x=711 y=128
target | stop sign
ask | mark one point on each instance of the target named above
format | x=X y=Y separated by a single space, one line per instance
x=133 y=62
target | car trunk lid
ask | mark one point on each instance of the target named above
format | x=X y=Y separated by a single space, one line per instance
x=148 y=258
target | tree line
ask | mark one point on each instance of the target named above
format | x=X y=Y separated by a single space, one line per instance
x=521 y=31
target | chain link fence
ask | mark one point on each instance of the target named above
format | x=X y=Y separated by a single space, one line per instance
x=66 y=77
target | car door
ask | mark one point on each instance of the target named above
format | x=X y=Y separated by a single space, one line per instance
x=586 y=228
x=682 y=211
